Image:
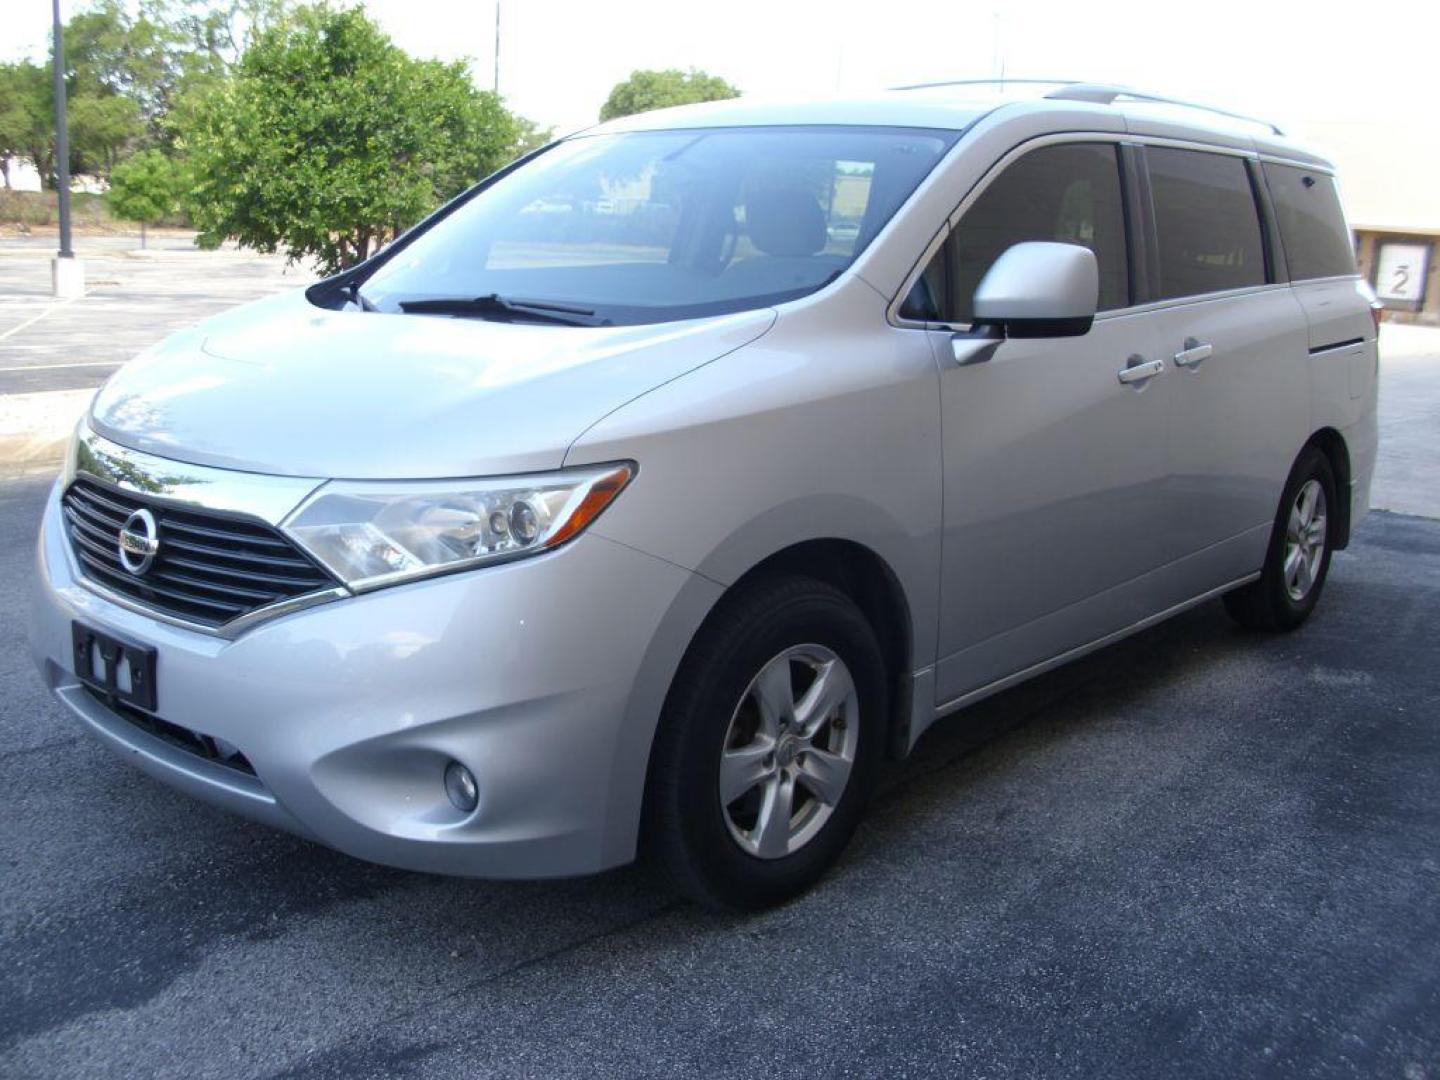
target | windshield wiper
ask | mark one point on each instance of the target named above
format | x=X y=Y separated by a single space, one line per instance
x=496 y=305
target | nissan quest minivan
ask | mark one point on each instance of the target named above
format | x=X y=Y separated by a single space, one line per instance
x=653 y=492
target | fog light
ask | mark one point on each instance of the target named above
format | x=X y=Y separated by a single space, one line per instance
x=461 y=787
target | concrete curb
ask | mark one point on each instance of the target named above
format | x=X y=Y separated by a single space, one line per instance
x=34 y=428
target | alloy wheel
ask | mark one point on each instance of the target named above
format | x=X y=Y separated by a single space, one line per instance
x=789 y=751
x=1304 y=540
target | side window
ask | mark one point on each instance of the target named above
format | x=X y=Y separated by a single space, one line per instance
x=1068 y=193
x=1312 y=227
x=928 y=300
x=1206 y=221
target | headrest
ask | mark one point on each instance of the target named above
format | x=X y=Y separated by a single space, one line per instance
x=785 y=221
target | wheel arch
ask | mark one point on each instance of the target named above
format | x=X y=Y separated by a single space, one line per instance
x=1332 y=444
x=867 y=579
x=864 y=576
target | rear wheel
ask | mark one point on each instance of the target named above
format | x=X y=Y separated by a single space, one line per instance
x=1298 y=559
x=769 y=745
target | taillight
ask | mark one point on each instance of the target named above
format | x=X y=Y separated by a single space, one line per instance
x=1376 y=310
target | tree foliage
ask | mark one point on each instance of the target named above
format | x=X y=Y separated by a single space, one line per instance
x=328 y=140
x=145 y=187
x=26 y=116
x=646 y=90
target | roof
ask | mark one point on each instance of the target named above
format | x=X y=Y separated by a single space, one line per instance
x=956 y=106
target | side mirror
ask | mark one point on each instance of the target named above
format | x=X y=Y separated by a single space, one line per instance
x=1040 y=289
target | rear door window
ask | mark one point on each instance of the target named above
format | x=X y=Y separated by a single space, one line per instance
x=1068 y=193
x=1312 y=226
x=1206 y=221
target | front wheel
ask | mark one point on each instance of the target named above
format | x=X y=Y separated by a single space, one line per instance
x=1298 y=559
x=769 y=745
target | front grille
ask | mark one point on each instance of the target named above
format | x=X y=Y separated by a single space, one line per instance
x=211 y=568
x=182 y=738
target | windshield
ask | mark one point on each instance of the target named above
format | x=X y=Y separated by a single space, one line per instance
x=650 y=226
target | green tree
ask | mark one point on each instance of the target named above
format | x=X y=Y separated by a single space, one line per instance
x=122 y=71
x=145 y=187
x=646 y=90
x=212 y=35
x=529 y=136
x=25 y=117
x=328 y=140
x=103 y=128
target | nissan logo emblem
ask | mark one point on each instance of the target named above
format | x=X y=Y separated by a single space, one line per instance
x=139 y=542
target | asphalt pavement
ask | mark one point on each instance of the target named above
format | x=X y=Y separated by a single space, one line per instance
x=1201 y=852
x=133 y=299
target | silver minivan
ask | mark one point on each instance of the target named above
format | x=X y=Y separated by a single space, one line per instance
x=650 y=494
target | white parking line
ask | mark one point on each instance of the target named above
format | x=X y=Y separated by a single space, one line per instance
x=31 y=322
x=57 y=367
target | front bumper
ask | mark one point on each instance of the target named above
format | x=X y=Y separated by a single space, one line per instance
x=544 y=677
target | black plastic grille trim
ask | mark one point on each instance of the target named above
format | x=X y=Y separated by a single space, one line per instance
x=211 y=568
x=192 y=742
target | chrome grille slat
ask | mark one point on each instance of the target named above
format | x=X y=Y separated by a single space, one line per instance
x=93 y=497
x=211 y=568
x=98 y=517
x=237 y=556
x=282 y=580
x=184 y=581
x=115 y=577
x=219 y=534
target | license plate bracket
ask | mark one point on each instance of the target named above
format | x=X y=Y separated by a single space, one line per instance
x=123 y=672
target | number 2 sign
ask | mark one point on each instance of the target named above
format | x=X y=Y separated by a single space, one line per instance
x=1400 y=272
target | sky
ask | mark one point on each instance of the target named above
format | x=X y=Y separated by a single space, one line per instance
x=1317 y=68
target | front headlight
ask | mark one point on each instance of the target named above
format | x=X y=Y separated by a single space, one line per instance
x=374 y=533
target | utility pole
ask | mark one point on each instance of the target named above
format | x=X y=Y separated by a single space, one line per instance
x=497 y=47
x=67 y=276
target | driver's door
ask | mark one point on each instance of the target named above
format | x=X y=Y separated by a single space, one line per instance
x=1054 y=464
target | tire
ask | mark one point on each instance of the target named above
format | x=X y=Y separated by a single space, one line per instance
x=743 y=855
x=1286 y=592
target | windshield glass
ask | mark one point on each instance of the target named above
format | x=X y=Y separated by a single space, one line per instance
x=650 y=226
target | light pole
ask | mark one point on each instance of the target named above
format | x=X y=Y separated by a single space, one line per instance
x=67 y=276
x=497 y=48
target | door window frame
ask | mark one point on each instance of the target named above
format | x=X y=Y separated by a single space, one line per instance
x=1272 y=254
x=1142 y=238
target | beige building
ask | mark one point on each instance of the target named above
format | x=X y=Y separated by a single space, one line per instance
x=1390 y=180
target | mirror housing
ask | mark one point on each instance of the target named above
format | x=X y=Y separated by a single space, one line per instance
x=1040 y=289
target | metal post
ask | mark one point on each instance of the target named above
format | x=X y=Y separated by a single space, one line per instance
x=62 y=138
x=67 y=275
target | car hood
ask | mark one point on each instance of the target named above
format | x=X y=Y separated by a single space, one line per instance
x=283 y=387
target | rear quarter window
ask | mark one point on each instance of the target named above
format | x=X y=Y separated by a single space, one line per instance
x=1312 y=226
x=1206 y=221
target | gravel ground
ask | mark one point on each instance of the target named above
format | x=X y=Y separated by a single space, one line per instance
x=1199 y=853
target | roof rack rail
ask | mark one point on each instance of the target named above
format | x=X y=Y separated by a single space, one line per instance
x=989 y=82
x=1102 y=94
x=1095 y=93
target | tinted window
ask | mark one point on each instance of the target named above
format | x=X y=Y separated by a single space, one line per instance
x=1068 y=193
x=647 y=226
x=1207 y=222
x=1312 y=228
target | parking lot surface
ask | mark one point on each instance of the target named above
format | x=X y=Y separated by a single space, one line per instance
x=1198 y=853
x=1201 y=852
x=133 y=299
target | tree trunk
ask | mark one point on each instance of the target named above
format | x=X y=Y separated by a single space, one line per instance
x=5 y=169
x=142 y=236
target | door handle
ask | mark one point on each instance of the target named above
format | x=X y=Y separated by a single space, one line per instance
x=1138 y=370
x=1194 y=353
